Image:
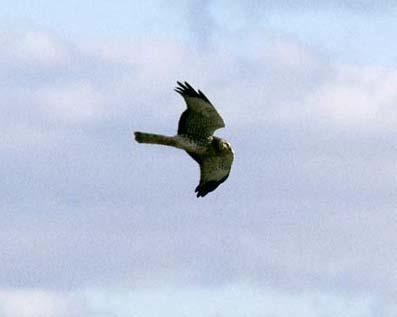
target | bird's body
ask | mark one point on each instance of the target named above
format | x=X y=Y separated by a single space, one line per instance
x=195 y=135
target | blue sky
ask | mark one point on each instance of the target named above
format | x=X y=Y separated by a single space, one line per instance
x=95 y=224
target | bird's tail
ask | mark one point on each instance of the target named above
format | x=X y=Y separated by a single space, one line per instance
x=150 y=138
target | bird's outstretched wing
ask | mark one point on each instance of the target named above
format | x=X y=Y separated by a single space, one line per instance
x=214 y=170
x=200 y=119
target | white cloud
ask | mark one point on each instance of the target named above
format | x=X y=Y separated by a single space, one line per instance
x=278 y=80
x=234 y=300
x=34 y=49
x=41 y=47
x=40 y=303
x=366 y=95
x=70 y=102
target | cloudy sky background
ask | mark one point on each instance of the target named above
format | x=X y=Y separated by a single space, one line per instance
x=94 y=224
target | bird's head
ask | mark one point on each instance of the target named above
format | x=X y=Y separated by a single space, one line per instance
x=224 y=146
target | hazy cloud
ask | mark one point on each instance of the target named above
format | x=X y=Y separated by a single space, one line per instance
x=355 y=5
x=231 y=300
x=36 y=302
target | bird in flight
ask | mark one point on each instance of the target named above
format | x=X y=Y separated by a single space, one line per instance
x=196 y=127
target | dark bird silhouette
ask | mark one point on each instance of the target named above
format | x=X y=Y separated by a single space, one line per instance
x=196 y=127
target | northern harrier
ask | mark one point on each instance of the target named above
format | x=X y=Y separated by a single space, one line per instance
x=195 y=135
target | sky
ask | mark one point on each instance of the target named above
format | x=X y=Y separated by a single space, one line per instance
x=94 y=224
